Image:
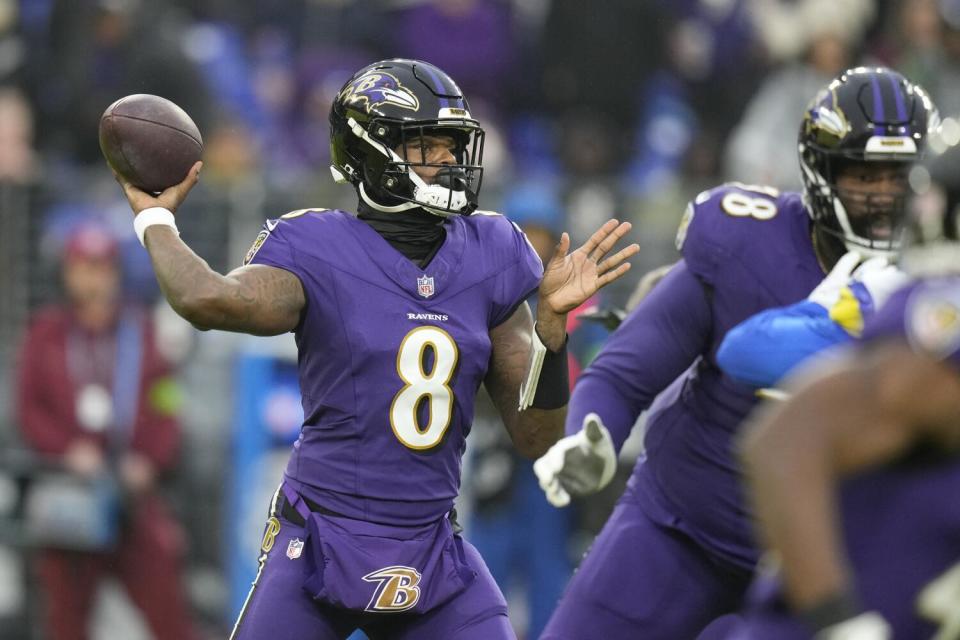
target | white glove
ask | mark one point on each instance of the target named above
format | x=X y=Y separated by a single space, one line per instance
x=866 y=626
x=852 y=292
x=880 y=279
x=827 y=293
x=579 y=464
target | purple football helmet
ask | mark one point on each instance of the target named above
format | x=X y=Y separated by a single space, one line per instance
x=865 y=115
x=378 y=112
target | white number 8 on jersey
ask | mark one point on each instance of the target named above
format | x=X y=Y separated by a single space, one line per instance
x=743 y=206
x=419 y=383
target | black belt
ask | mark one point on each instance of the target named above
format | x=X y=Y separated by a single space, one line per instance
x=289 y=513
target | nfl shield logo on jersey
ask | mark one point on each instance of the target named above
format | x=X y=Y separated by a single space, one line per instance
x=295 y=548
x=425 y=286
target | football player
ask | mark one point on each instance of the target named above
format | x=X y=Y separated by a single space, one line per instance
x=854 y=479
x=678 y=550
x=400 y=312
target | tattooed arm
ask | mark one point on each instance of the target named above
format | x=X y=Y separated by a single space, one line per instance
x=254 y=299
x=533 y=430
x=568 y=281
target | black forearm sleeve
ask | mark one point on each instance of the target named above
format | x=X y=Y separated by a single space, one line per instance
x=553 y=387
x=831 y=610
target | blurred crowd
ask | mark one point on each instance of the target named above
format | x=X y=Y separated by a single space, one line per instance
x=621 y=108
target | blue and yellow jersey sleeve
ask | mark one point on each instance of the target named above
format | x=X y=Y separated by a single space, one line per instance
x=763 y=349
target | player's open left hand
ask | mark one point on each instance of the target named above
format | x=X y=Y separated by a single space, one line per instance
x=569 y=279
x=169 y=198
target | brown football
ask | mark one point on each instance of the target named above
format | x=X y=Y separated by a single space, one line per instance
x=150 y=141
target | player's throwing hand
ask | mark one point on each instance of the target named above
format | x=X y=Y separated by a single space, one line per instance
x=169 y=199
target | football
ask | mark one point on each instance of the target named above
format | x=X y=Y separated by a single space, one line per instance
x=149 y=141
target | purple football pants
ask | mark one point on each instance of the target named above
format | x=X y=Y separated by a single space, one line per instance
x=644 y=580
x=278 y=608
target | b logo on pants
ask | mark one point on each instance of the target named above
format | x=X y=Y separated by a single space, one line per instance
x=273 y=528
x=397 y=591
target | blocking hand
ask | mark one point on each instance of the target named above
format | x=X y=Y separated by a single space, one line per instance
x=828 y=291
x=853 y=291
x=880 y=279
x=577 y=465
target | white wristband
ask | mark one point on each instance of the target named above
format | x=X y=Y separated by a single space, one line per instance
x=538 y=352
x=152 y=216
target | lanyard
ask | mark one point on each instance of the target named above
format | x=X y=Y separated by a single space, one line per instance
x=114 y=359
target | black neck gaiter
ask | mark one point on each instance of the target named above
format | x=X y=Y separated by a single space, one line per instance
x=416 y=234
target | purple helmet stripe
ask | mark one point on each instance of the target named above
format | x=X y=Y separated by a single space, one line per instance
x=898 y=98
x=437 y=84
x=878 y=113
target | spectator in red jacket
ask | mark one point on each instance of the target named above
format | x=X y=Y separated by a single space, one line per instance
x=94 y=392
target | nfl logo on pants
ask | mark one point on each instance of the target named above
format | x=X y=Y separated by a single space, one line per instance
x=425 y=286
x=295 y=548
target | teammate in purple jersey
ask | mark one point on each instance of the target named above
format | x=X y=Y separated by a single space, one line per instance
x=678 y=550
x=400 y=313
x=855 y=478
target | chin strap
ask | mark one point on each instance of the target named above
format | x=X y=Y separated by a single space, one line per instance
x=373 y=204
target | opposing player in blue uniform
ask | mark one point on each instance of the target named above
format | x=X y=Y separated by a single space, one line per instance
x=678 y=550
x=765 y=348
x=400 y=313
x=855 y=477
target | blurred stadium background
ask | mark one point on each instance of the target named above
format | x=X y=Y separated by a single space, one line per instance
x=592 y=109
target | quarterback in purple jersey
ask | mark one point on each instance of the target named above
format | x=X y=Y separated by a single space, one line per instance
x=855 y=478
x=400 y=312
x=678 y=550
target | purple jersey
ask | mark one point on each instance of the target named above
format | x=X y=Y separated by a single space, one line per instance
x=745 y=249
x=391 y=355
x=901 y=523
x=927 y=314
